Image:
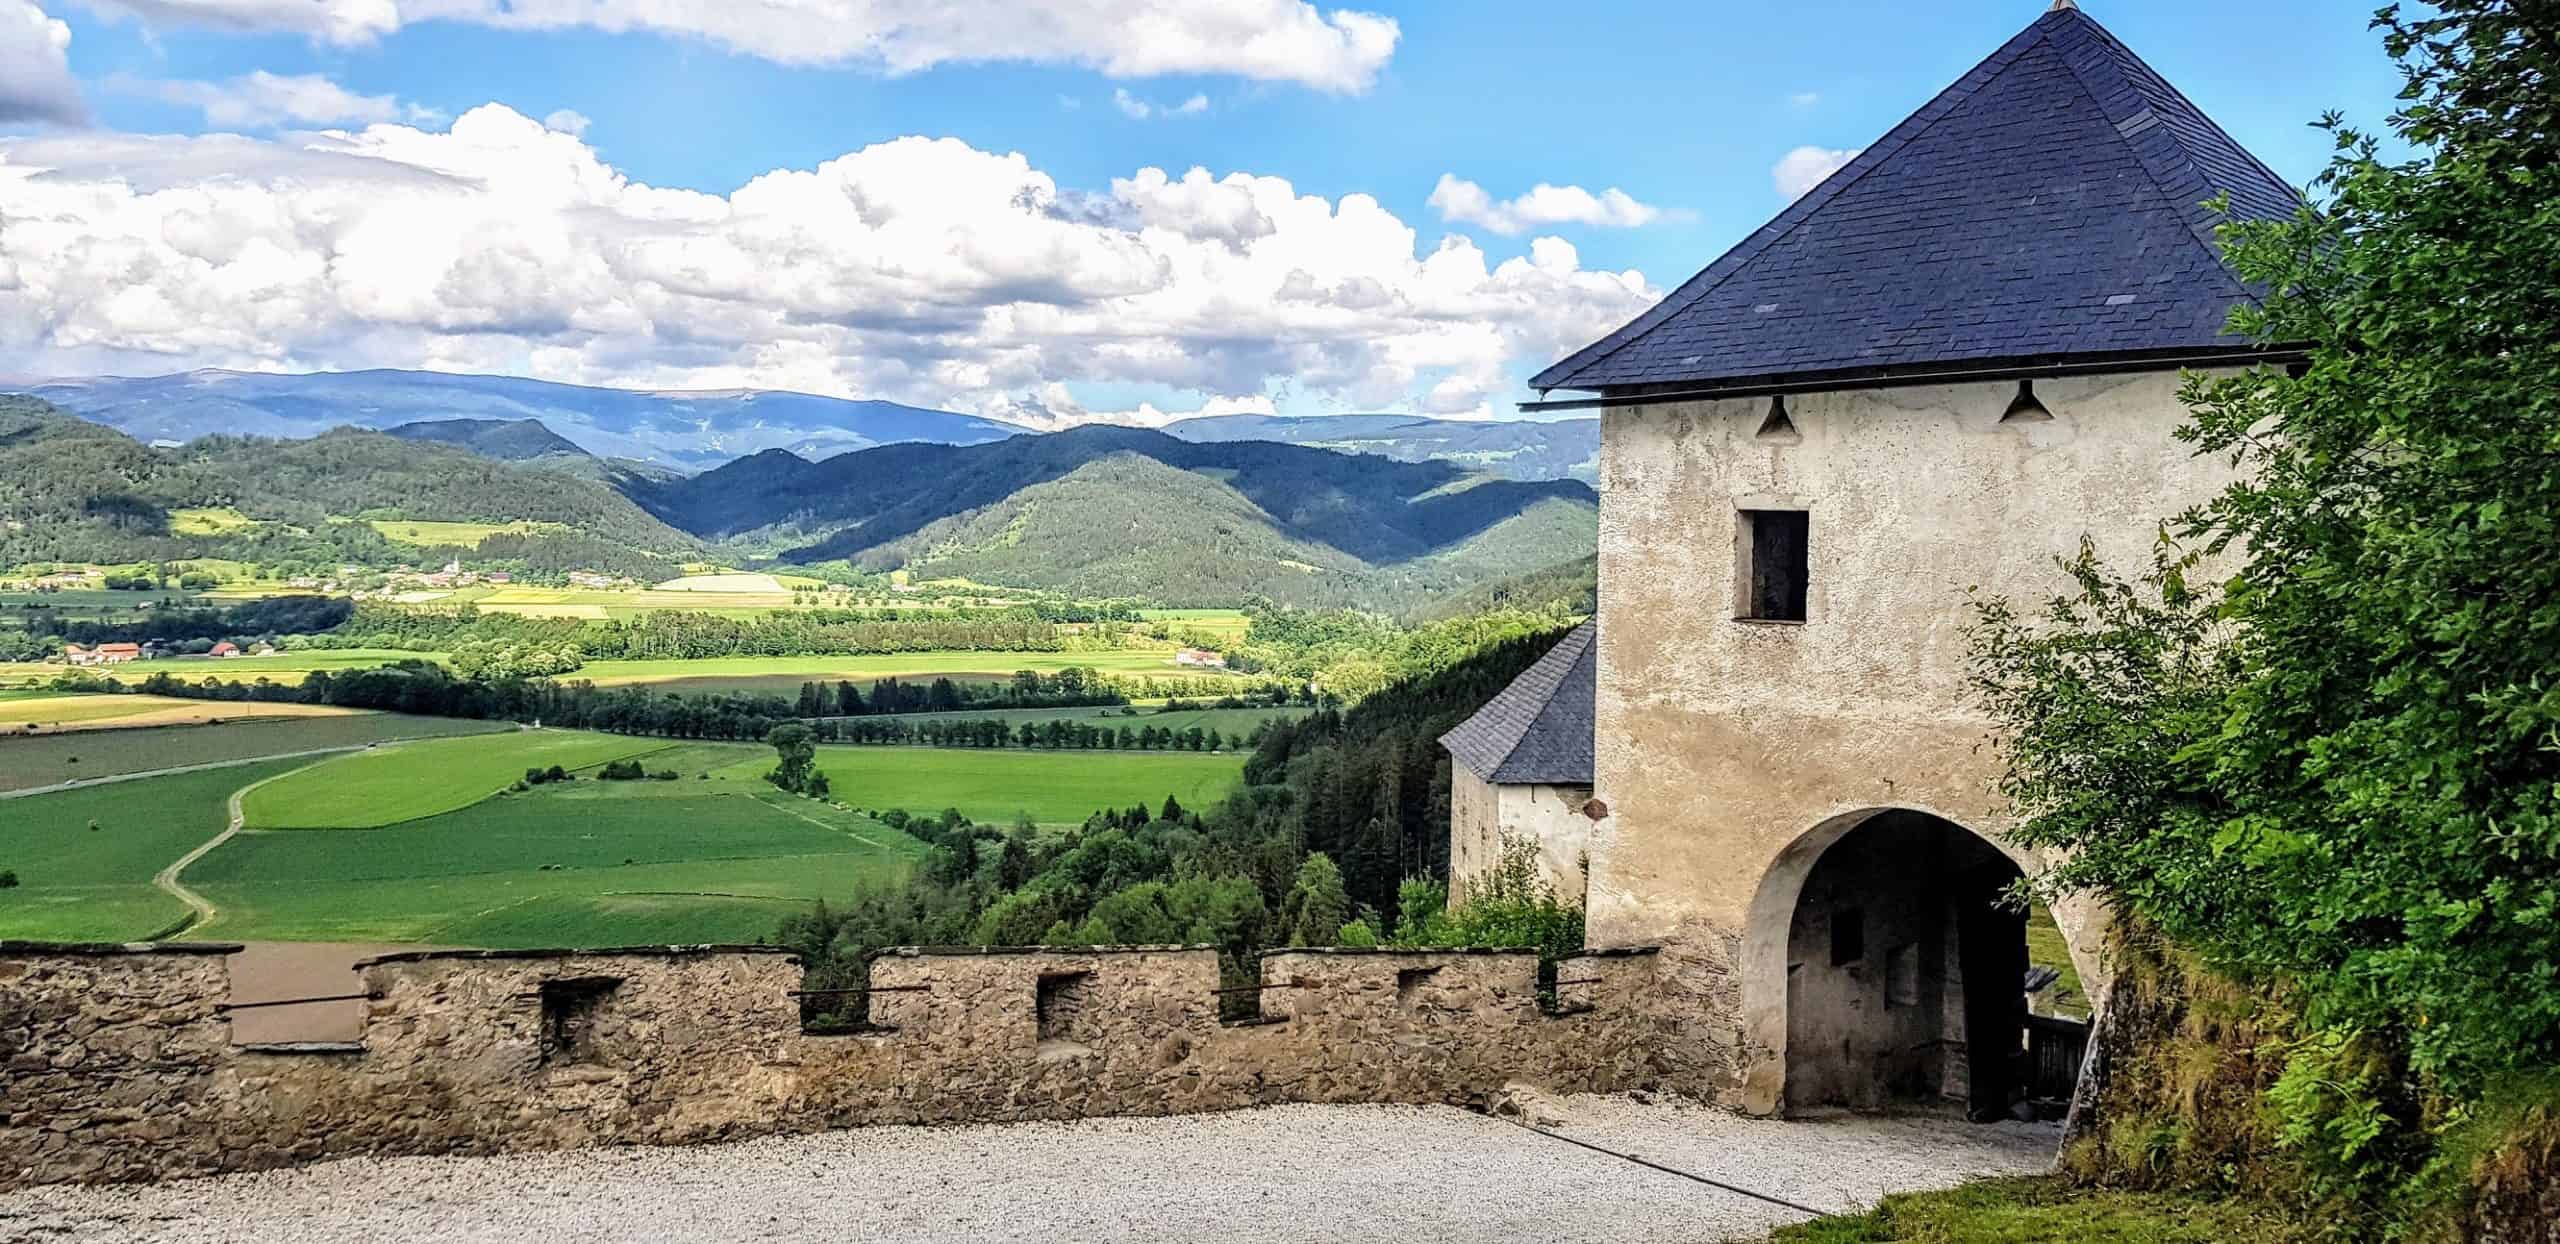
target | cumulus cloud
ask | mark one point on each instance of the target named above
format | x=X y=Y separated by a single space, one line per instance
x=1137 y=109
x=1271 y=40
x=919 y=269
x=35 y=67
x=1463 y=201
x=1800 y=170
x=567 y=121
x=262 y=100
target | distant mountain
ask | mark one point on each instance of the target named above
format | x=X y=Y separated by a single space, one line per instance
x=1512 y=449
x=72 y=490
x=508 y=440
x=692 y=430
x=1110 y=511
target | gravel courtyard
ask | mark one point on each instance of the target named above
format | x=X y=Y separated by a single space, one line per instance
x=1288 y=1173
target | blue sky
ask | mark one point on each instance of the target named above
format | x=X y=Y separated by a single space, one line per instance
x=1687 y=109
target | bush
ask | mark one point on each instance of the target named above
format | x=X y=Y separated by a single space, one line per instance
x=8 y=879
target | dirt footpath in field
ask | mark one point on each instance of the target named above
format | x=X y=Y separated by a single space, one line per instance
x=1397 y=1173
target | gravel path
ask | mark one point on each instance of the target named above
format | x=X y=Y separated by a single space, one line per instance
x=1288 y=1173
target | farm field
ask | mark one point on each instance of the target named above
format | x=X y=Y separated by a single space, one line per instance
x=422 y=533
x=410 y=781
x=79 y=884
x=783 y=675
x=282 y=667
x=1000 y=784
x=708 y=857
x=113 y=712
x=1233 y=722
x=48 y=759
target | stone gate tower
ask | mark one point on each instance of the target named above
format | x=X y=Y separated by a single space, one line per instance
x=1933 y=374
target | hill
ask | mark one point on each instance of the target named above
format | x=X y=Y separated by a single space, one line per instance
x=71 y=490
x=1512 y=449
x=1122 y=511
x=691 y=430
x=508 y=440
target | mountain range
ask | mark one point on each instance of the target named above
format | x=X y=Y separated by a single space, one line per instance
x=693 y=431
x=1095 y=511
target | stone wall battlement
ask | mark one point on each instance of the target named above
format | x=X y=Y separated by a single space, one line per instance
x=117 y=1062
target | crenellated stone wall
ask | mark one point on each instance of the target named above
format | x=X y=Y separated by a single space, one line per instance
x=119 y=1063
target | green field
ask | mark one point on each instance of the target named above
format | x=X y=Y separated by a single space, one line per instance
x=282 y=667
x=586 y=863
x=423 y=532
x=1052 y=788
x=44 y=760
x=410 y=781
x=1235 y=723
x=79 y=884
x=783 y=675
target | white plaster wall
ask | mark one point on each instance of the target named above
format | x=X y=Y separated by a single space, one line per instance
x=1482 y=815
x=1729 y=753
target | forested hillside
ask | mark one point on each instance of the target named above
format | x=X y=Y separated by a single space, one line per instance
x=508 y=440
x=1122 y=511
x=71 y=490
x=1512 y=449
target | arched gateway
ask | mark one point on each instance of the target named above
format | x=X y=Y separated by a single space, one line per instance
x=1937 y=372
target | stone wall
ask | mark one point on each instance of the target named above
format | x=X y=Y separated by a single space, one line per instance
x=120 y=1064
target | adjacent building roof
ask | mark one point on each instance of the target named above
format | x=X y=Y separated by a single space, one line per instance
x=1538 y=731
x=2047 y=207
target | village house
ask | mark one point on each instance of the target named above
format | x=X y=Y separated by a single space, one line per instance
x=103 y=654
x=224 y=649
x=1936 y=372
x=1200 y=657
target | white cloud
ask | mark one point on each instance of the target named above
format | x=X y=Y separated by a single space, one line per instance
x=1054 y=406
x=35 y=67
x=1543 y=206
x=263 y=100
x=1800 y=170
x=567 y=121
x=919 y=270
x=1804 y=99
x=1271 y=40
x=1138 y=109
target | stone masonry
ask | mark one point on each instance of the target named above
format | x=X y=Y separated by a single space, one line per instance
x=119 y=1066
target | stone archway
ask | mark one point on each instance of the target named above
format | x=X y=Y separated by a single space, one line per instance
x=1871 y=954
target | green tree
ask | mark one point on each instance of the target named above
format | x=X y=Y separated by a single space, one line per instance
x=2320 y=740
x=1316 y=907
x=795 y=749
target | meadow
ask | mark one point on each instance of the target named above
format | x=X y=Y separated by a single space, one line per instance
x=783 y=675
x=1234 y=723
x=48 y=759
x=281 y=667
x=411 y=781
x=429 y=533
x=93 y=712
x=81 y=884
x=1002 y=784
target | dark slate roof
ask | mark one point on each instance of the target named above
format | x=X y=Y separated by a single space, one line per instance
x=1539 y=729
x=2046 y=206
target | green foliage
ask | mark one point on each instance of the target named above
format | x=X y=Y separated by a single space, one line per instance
x=2340 y=765
x=8 y=879
x=795 y=748
x=1316 y=907
x=2038 y=1211
x=1511 y=904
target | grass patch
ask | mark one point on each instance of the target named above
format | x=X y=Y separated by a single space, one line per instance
x=1052 y=788
x=2038 y=1211
x=424 y=533
x=79 y=884
x=55 y=712
x=282 y=667
x=415 y=780
x=50 y=759
x=1235 y=723
x=592 y=863
x=209 y=521
x=783 y=675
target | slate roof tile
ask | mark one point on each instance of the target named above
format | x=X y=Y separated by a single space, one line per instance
x=1538 y=731
x=2049 y=204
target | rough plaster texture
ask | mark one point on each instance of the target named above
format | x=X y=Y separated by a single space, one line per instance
x=1731 y=754
x=1483 y=815
x=119 y=1067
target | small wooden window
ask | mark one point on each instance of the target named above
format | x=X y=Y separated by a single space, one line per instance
x=1776 y=545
